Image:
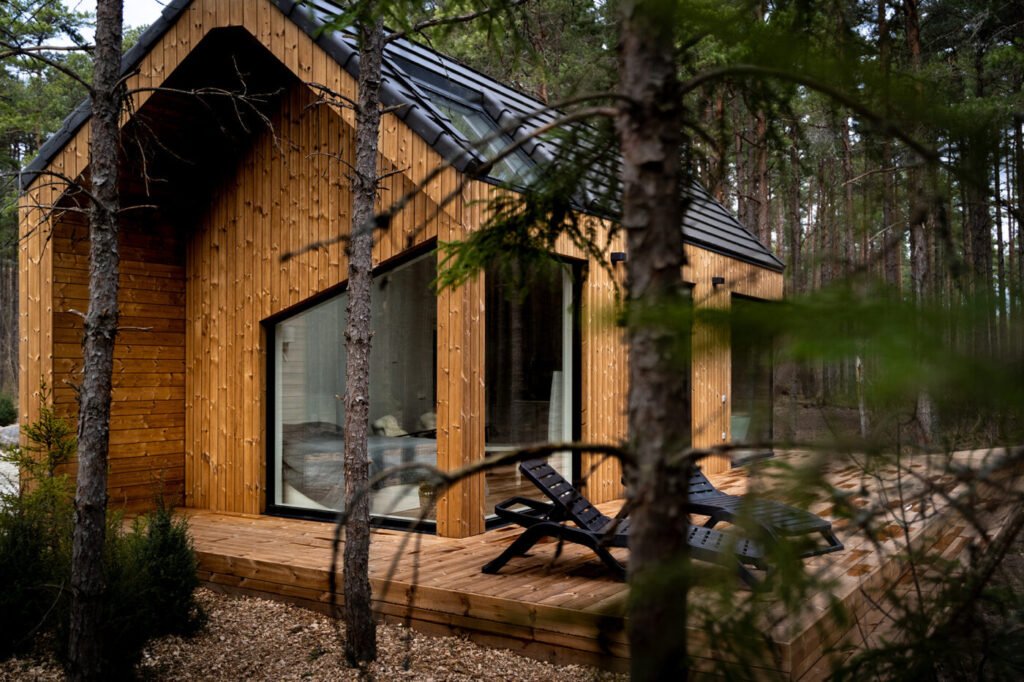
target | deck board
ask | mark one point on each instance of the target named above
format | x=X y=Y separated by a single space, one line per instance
x=567 y=609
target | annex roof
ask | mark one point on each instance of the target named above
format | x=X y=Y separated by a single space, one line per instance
x=447 y=104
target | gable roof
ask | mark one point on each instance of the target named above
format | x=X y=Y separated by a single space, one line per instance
x=416 y=82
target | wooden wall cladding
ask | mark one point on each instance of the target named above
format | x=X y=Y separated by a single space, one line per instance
x=604 y=376
x=289 y=191
x=35 y=296
x=460 y=374
x=147 y=426
x=605 y=360
x=711 y=366
x=282 y=198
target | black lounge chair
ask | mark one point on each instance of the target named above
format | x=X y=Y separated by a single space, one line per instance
x=598 y=532
x=775 y=518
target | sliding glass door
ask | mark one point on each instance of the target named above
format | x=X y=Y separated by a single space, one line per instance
x=752 y=386
x=529 y=370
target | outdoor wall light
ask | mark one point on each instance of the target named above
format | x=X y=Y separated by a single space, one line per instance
x=618 y=257
x=715 y=281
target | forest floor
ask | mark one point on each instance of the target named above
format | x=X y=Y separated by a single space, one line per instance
x=256 y=639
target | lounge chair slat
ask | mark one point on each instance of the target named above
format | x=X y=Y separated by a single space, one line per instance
x=598 y=532
x=774 y=517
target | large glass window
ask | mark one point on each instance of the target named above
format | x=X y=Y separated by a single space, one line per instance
x=309 y=385
x=751 y=419
x=529 y=371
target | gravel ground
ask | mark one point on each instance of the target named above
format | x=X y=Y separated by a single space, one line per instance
x=256 y=639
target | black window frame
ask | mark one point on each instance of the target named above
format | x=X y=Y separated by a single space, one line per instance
x=269 y=324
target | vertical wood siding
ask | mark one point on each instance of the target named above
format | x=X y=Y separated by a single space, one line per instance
x=289 y=191
x=711 y=364
x=35 y=296
x=603 y=376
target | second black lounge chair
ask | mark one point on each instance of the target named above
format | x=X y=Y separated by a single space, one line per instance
x=593 y=529
x=777 y=519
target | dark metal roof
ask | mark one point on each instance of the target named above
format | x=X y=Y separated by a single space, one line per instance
x=411 y=71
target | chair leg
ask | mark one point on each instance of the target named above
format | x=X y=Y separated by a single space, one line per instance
x=521 y=546
x=613 y=565
x=748 y=577
x=533 y=534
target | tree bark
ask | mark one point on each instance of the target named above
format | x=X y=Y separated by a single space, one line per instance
x=892 y=242
x=762 y=194
x=718 y=162
x=892 y=235
x=650 y=136
x=361 y=634
x=795 y=264
x=8 y=326
x=1019 y=196
x=848 y=219
x=1001 y=326
x=87 y=583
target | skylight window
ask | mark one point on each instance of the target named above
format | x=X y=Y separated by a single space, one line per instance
x=480 y=129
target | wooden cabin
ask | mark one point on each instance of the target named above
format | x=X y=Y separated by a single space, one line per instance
x=230 y=360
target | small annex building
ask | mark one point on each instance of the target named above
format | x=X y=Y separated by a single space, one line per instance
x=230 y=361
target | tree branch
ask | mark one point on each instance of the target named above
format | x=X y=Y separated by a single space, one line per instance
x=21 y=51
x=850 y=102
x=16 y=50
x=423 y=25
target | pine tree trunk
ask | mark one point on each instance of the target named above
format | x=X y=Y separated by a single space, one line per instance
x=862 y=409
x=793 y=216
x=87 y=584
x=8 y=326
x=892 y=236
x=892 y=254
x=979 y=220
x=718 y=167
x=762 y=194
x=1019 y=196
x=361 y=634
x=848 y=220
x=743 y=156
x=1001 y=325
x=649 y=130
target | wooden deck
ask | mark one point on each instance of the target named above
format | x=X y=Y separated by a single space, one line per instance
x=567 y=609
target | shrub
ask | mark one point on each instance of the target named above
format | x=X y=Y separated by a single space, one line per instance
x=51 y=441
x=35 y=536
x=150 y=569
x=151 y=581
x=8 y=413
x=35 y=563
